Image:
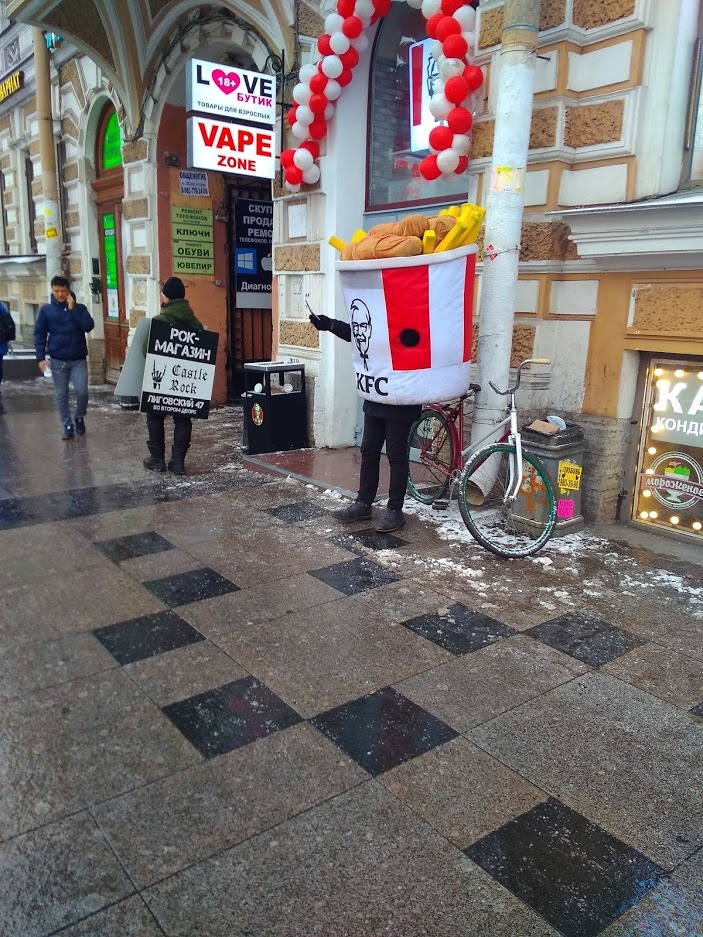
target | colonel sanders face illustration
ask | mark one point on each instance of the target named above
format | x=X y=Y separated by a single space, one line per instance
x=361 y=329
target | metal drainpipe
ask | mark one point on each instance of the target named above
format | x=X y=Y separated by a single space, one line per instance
x=47 y=154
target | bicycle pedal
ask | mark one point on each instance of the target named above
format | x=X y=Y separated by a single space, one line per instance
x=440 y=505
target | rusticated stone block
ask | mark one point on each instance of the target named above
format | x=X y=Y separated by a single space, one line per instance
x=588 y=14
x=300 y=258
x=134 y=316
x=70 y=172
x=6 y=123
x=546 y=241
x=72 y=219
x=303 y=334
x=482 y=139
x=543 y=130
x=138 y=263
x=135 y=152
x=591 y=124
x=552 y=13
x=68 y=75
x=309 y=23
x=69 y=129
x=135 y=208
x=669 y=309
x=34 y=148
x=523 y=343
x=75 y=266
x=6 y=161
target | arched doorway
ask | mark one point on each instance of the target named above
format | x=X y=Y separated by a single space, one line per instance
x=109 y=193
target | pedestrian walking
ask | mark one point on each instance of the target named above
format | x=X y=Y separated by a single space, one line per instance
x=383 y=423
x=7 y=335
x=176 y=310
x=60 y=331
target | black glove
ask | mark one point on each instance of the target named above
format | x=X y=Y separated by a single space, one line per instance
x=321 y=323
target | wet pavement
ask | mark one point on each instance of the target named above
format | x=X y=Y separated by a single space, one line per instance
x=223 y=715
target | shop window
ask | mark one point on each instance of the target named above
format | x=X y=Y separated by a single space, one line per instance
x=693 y=155
x=109 y=142
x=669 y=487
x=31 y=207
x=402 y=73
x=3 y=217
x=63 y=192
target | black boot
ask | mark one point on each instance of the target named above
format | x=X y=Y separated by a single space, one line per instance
x=176 y=463
x=182 y=429
x=155 y=462
x=358 y=511
x=391 y=520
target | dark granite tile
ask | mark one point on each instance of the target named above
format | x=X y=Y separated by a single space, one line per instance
x=373 y=539
x=147 y=636
x=383 y=730
x=586 y=638
x=355 y=576
x=193 y=586
x=300 y=511
x=231 y=716
x=572 y=872
x=460 y=630
x=127 y=548
x=698 y=710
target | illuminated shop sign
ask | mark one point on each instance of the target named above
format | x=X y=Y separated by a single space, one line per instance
x=10 y=85
x=235 y=93
x=670 y=476
x=225 y=147
x=424 y=71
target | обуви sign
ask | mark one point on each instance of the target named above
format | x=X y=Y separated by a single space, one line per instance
x=225 y=91
x=226 y=147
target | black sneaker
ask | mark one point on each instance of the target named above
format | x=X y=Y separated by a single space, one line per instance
x=155 y=464
x=358 y=511
x=80 y=426
x=67 y=431
x=391 y=520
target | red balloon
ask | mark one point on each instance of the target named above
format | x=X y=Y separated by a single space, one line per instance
x=317 y=129
x=463 y=165
x=345 y=77
x=352 y=27
x=345 y=8
x=449 y=7
x=432 y=24
x=287 y=158
x=294 y=175
x=382 y=7
x=473 y=76
x=318 y=83
x=312 y=146
x=447 y=27
x=459 y=120
x=455 y=47
x=323 y=45
x=291 y=118
x=441 y=138
x=350 y=58
x=317 y=103
x=456 y=89
x=429 y=169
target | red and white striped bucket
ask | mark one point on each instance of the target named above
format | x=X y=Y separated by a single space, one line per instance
x=411 y=320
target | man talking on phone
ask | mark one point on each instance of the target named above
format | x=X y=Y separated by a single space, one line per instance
x=64 y=323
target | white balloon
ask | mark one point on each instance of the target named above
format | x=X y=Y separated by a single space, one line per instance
x=339 y=43
x=333 y=23
x=438 y=86
x=300 y=131
x=332 y=67
x=332 y=91
x=293 y=188
x=329 y=112
x=312 y=175
x=439 y=107
x=449 y=68
x=304 y=115
x=461 y=144
x=470 y=39
x=448 y=160
x=364 y=9
x=431 y=8
x=415 y=4
x=302 y=158
x=436 y=49
x=465 y=17
x=301 y=93
x=306 y=73
x=361 y=43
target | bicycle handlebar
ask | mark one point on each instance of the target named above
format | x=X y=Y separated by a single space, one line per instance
x=512 y=390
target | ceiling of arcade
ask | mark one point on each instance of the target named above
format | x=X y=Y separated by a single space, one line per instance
x=128 y=38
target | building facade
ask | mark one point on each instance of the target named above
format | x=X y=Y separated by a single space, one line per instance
x=610 y=286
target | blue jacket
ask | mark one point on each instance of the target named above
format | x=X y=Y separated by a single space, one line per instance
x=66 y=329
x=4 y=314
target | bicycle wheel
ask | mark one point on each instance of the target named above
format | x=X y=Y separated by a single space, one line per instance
x=431 y=456
x=508 y=528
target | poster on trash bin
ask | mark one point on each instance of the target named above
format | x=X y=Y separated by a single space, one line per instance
x=179 y=372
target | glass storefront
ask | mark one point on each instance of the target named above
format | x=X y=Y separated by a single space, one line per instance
x=669 y=486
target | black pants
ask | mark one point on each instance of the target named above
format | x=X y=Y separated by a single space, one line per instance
x=394 y=432
x=182 y=431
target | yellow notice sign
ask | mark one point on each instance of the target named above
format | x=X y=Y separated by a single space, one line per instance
x=569 y=478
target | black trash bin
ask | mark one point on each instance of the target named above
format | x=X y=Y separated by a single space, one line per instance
x=275 y=417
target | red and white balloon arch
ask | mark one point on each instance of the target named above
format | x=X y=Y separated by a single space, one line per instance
x=451 y=23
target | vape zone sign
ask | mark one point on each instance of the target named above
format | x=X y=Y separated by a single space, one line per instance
x=179 y=372
x=234 y=94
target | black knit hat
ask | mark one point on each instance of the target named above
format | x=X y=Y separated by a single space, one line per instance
x=173 y=288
